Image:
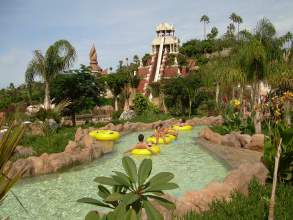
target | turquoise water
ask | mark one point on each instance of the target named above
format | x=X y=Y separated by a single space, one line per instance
x=54 y=196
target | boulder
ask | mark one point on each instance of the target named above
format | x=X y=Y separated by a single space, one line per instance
x=211 y=136
x=231 y=140
x=72 y=146
x=37 y=166
x=104 y=146
x=57 y=161
x=36 y=129
x=78 y=134
x=23 y=152
x=127 y=115
x=244 y=139
x=256 y=143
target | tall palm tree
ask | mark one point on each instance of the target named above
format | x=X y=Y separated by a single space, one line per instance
x=253 y=60
x=205 y=19
x=58 y=57
x=236 y=19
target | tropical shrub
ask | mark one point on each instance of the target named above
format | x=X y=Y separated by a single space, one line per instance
x=140 y=103
x=254 y=206
x=143 y=105
x=131 y=192
x=285 y=171
x=8 y=143
x=234 y=121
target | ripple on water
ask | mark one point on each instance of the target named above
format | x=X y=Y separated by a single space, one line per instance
x=54 y=196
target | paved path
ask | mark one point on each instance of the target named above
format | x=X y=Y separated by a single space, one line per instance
x=234 y=157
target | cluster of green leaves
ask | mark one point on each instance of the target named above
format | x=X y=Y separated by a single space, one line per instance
x=254 y=206
x=57 y=140
x=13 y=97
x=285 y=171
x=197 y=48
x=143 y=105
x=182 y=95
x=234 y=121
x=8 y=142
x=131 y=192
x=82 y=89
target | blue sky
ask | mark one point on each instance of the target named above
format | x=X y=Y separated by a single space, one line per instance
x=118 y=28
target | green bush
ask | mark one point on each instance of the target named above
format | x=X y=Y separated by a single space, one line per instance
x=131 y=192
x=116 y=115
x=52 y=143
x=253 y=207
x=141 y=103
x=285 y=172
x=234 y=121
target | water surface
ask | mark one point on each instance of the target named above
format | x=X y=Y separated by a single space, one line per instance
x=54 y=196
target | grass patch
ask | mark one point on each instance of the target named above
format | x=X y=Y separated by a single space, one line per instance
x=151 y=117
x=253 y=207
x=52 y=143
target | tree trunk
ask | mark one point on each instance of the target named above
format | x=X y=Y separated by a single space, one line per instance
x=115 y=103
x=257 y=117
x=132 y=96
x=204 y=30
x=163 y=103
x=287 y=114
x=190 y=104
x=275 y=178
x=217 y=93
x=238 y=33
x=47 y=100
x=73 y=119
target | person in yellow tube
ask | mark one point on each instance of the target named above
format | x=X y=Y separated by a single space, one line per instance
x=141 y=145
x=182 y=122
x=160 y=133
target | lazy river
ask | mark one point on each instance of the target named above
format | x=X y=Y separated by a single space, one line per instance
x=54 y=196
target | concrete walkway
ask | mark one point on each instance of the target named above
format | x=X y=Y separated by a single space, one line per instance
x=234 y=157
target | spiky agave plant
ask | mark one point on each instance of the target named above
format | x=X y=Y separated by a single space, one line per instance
x=131 y=192
x=8 y=143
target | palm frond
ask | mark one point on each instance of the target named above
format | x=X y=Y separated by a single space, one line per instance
x=8 y=143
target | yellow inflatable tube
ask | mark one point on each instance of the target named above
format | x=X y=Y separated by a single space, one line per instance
x=161 y=140
x=172 y=137
x=182 y=128
x=146 y=152
x=105 y=135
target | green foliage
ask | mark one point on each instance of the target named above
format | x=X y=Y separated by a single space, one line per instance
x=255 y=206
x=148 y=117
x=8 y=143
x=116 y=114
x=234 y=121
x=253 y=60
x=131 y=192
x=79 y=87
x=15 y=97
x=145 y=59
x=285 y=171
x=141 y=103
x=58 y=58
x=57 y=140
x=183 y=95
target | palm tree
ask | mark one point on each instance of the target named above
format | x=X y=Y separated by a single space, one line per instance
x=58 y=57
x=253 y=60
x=231 y=29
x=205 y=19
x=236 y=19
